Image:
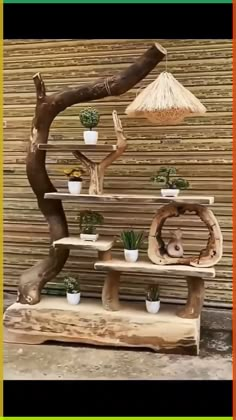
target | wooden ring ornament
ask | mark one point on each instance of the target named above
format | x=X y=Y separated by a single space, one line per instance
x=207 y=257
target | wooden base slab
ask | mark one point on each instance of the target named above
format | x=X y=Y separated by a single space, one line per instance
x=54 y=319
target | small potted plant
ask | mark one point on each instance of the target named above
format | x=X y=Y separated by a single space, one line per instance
x=171 y=186
x=89 y=118
x=131 y=241
x=74 y=179
x=72 y=290
x=88 y=221
x=153 y=300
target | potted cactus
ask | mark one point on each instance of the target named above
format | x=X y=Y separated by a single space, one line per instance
x=173 y=186
x=72 y=290
x=152 y=299
x=89 y=118
x=131 y=242
x=88 y=221
x=74 y=179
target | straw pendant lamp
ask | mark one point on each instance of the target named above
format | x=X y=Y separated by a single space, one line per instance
x=165 y=101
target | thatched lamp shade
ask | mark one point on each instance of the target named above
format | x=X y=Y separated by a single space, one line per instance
x=165 y=101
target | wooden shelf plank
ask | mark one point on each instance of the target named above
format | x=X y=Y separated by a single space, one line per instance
x=77 y=147
x=103 y=243
x=128 y=198
x=146 y=266
x=89 y=323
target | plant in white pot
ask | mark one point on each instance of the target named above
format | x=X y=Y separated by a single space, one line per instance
x=89 y=118
x=131 y=242
x=153 y=300
x=88 y=221
x=74 y=179
x=172 y=186
x=72 y=290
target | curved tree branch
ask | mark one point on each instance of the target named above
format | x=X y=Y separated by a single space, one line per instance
x=47 y=108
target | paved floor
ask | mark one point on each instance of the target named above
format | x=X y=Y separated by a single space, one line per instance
x=83 y=362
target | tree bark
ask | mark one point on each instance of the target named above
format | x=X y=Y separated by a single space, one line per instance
x=47 y=108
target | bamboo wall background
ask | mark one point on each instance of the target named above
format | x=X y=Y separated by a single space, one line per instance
x=201 y=150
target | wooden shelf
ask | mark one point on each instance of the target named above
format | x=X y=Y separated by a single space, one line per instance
x=145 y=266
x=103 y=243
x=53 y=319
x=77 y=147
x=127 y=198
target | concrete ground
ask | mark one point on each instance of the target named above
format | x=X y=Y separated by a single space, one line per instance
x=71 y=361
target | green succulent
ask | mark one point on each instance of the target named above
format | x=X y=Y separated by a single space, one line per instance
x=89 y=117
x=131 y=240
x=153 y=293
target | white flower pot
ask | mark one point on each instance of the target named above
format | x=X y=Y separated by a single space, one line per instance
x=73 y=298
x=90 y=137
x=89 y=237
x=169 y=192
x=152 y=307
x=131 y=255
x=74 y=187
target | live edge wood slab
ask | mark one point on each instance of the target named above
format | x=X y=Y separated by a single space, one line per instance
x=127 y=198
x=53 y=319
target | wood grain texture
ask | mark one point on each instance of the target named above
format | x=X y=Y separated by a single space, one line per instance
x=127 y=198
x=101 y=244
x=73 y=148
x=200 y=149
x=88 y=322
x=145 y=266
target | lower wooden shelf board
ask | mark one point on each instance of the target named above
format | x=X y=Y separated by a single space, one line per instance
x=53 y=319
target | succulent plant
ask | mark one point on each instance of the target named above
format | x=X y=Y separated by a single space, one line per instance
x=131 y=240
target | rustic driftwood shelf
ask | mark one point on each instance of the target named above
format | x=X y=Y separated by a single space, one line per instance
x=145 y=266
x=112 y=323
x=127 y=198
x=54 y=319
x=194 y=277
x=74 y=147
x=102 y=244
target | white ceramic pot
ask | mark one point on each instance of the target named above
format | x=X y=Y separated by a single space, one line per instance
x=169 y=192
x=73 y=298
x=89 y=237
x=74 y=187
x=152 y=307
x=90 y=137
x=131 y=255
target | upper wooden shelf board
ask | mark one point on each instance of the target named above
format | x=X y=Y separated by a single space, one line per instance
x=128 y=198
x=103 y=243
x=77 y=147
x=146 y=266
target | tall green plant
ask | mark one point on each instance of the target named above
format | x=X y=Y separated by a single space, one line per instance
x=131 y=240
x=88 y=220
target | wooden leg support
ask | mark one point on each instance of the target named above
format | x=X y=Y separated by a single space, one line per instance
x=195 y=298
x=110 y=292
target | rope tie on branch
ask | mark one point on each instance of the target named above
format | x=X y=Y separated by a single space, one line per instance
x=107 y=86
